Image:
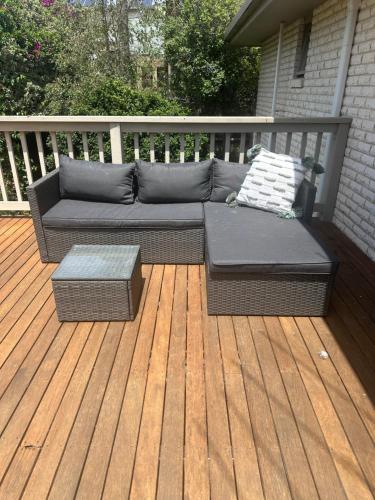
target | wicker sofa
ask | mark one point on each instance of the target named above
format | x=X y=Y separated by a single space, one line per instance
x=256 y=262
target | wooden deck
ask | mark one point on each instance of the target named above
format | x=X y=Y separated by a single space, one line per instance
x=177 y=403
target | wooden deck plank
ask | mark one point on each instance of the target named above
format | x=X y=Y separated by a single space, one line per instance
x=171 y=466
x=17 y=264
x=33 y=440
x=29 y=398
x=363 y=342
x=17 y=256
x=7 y=222
x=144 y=481
x=11 y=323
x=13 y=233
x=23 y=294
x=17 y=344
x=68 y=473
x=14 y=244
x=345 y=460
x=119 y=474
x=297 y=466
x=179 y=403
x=271 y=465
x=222 y=477
x=48 y=459
x=98 y=457
x=217 y=349
x=196 y=468
x=322 y=466
x=360 y=440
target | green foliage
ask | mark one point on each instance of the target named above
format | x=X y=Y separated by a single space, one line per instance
x=207 y=73
x=30 y=37
x=110 y=97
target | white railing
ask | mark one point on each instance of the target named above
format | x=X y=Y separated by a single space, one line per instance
x=115 y=139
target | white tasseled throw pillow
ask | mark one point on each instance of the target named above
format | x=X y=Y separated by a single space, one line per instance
x=272 y=182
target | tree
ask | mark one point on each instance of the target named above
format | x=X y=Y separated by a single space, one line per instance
x=30 y=32
x=207 y=73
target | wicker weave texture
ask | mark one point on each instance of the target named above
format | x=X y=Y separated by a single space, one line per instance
x=158 y=246
x=38 y=226
x=268 y=295
x=99 y=300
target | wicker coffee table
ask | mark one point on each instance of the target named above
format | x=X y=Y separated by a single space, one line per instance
x=98 y=283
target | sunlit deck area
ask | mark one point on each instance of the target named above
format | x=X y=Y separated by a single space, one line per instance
x=179 y=403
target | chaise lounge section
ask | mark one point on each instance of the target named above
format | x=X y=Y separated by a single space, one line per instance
x=259 y=264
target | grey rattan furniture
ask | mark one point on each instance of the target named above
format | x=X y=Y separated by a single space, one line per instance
x=98 y=283
x=167 y=233
x=257 y=263
x=263 y=265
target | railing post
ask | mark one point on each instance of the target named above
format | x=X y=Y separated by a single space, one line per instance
x=335 y=153
x=116 y=142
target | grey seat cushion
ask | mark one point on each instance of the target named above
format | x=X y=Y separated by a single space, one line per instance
x=247 y=240
x=95 y=181
x=88 y=214
x=174 y=182
x=227 y=177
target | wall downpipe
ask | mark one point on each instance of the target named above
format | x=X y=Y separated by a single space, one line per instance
x=342 y=75
x=277 y=74
x=277 y=69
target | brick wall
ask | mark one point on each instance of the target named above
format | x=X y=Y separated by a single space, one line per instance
x=355 y=207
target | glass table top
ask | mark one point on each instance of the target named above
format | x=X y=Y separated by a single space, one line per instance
x=98 y=262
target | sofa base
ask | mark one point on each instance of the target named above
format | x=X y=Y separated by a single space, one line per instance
x=158 y=246
x=268 y=295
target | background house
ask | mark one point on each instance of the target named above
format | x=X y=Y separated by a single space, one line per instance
x=318 y=59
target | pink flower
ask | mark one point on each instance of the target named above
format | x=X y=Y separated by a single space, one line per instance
x=37 y=49
x=47 y=3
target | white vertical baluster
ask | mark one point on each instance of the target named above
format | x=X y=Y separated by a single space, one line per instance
x=116 y=142
x=136 y=146
x=26 y=157
x=303 y=145
x=70 y=145
x=197 y=146
x=167 y=152
x=241 y=158
x=55 y=149
x=182 y=148
x=227 y=147
x=85 y=143
x=39 y=144
x=152 y=148
x=101 y=146
x=212 y=145
x=13 y=166
x=2 y=185
x=258 y=138
x=288 y=143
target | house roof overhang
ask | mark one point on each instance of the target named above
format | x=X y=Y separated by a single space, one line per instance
x=257 y=20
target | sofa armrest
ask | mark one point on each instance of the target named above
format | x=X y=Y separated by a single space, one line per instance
x=306 y=199
x=43 y=194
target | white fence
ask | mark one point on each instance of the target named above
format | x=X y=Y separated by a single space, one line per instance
x=162 y=138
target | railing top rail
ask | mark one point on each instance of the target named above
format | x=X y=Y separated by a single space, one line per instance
x=174 y=119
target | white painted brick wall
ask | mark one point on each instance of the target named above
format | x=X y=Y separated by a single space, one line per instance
x=355 y=207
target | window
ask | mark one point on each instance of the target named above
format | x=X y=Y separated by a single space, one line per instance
x=303 y=49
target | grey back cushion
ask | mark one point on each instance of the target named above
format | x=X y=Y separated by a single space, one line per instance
x=95 y=181
x=226 y=178
x=174 y=182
